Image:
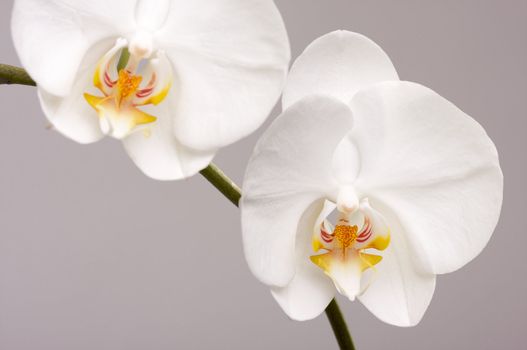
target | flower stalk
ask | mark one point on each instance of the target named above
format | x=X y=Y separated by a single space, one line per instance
x=213 y=174
x=226 y=186
x=338 y=323
x=14 y=75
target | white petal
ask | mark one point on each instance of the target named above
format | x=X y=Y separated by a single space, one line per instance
x=290 y=168
x=307 y=295
x=152 y=14
x=157 y=152
x=52 y=37
x=230 y=60
x=71 y=115
x=310 y=291
x=338 y=64
x=346 y=161
x=397 y=293
x=434 y=166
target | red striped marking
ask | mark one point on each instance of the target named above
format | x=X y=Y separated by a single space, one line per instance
x=149 y=87
x=366 y=232
x=144 y=92
x=108 y=81
x=325 y=235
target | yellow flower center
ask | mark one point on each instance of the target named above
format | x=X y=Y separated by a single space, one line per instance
x=127 y=84
x=345 y=235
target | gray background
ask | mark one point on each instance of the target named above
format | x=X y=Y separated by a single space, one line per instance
x=94 y=255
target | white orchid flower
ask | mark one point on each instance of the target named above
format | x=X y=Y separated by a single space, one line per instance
x=201 y=74
x=414 y=185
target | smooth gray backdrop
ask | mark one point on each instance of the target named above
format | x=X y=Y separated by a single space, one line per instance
x=94 y=255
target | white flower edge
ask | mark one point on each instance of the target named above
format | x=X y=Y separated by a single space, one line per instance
x=337 y=64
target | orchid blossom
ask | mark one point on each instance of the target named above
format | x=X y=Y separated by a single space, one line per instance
x=175 y=80
x=365 y=185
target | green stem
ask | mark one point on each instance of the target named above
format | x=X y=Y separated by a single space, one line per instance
x=226 y=186
x=214 y=175
x=338 y=323
x=14 y=75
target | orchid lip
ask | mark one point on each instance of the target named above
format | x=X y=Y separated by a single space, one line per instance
x=348 y=246
x=145 y=79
